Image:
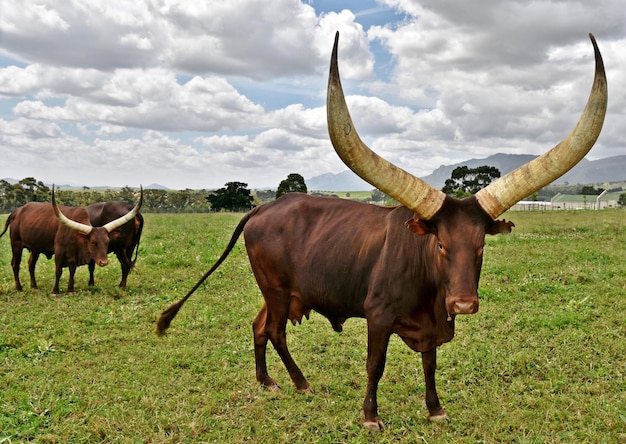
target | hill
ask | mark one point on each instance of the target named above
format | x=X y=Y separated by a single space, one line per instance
x=344 y=181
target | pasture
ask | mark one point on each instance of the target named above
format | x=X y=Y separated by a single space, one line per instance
x=544 y=359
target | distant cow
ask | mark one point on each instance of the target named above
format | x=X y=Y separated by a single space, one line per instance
x=408 y=270
x=123 y=241
x=65 y=232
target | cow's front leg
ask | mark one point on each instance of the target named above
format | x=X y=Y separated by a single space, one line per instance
x=70 y=282
x=429 y=362
x=377 y=342
x=92 y=268
x=58 y=270
x=32 y=264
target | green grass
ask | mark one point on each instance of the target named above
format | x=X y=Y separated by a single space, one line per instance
x=544 y=360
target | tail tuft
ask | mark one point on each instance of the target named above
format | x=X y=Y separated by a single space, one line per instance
x=166 y=318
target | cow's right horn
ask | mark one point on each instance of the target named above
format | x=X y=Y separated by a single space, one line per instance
x=80 y=227
x=114 y=224
x=503 y=193
x=407 y=189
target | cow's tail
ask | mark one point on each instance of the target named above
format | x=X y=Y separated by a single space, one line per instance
x=166 y=317
x=139 y=230
x=6 y=224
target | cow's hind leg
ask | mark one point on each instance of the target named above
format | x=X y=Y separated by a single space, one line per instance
x=125 y=264
x=429 y=362
x=275 y=328
x=15 y=264
x=260 y=350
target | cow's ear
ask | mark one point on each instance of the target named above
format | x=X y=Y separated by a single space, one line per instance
x=500 y=227
x=419 y=226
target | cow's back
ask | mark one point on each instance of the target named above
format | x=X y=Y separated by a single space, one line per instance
x=34 y=226
x=104 y=212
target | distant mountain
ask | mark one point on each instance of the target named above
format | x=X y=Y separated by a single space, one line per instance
x=345 y=181
x=155 y=186
x=610 y=169
x=503 y=162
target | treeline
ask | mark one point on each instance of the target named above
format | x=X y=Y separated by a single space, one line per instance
x=27 y=190
x=235 y=196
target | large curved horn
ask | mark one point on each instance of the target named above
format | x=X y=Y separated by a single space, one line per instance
x=503 y=193
x=114 y=224
x=407 y=189
x=80 y=227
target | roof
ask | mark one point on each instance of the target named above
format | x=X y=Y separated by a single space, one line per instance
x=582 y=198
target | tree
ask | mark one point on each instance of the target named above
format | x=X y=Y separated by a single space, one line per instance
x=26 y=190
x=465 y=181
x=234 y=197
x=266 y=195
x=591 y=191
x=127 y=194
x=622 y=200
x=378 y=196
x=294 y=183
x=156 y=201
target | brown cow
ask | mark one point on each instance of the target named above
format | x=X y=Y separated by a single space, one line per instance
x=407 y=270
x=63 y=231
x=123 y=241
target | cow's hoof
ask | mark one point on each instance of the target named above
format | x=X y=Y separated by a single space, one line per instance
x=374 y=426
x=271 y=388
x=307 y=391
x=439 y=417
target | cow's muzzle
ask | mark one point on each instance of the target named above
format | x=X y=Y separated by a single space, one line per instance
x=462 y=305
x=102 y=262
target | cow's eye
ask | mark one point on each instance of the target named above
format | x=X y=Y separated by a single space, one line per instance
x=440 y=246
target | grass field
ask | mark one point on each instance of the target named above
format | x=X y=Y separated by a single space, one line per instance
x=544 y=360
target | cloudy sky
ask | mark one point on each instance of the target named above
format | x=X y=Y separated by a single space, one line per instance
x=194 y=94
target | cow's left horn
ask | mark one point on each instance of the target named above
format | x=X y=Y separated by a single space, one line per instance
x=504 y=192
x=407 y=189
x=114 y=224
x=80 y=227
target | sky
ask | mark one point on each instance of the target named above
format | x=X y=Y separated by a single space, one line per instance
x=195 y=94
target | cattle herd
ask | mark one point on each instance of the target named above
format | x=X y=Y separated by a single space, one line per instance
x=75 y=236
x=408 y=270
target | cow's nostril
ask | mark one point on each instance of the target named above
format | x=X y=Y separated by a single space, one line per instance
x=466 y=305
x=465 y=308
